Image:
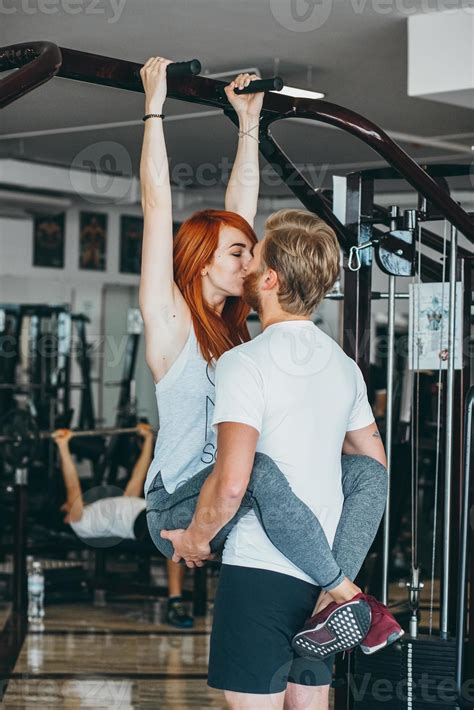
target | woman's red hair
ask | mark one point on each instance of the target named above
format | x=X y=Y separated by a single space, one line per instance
x=194 y=246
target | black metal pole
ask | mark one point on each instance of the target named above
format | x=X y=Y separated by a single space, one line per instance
x=463 y=548
x=20 y=581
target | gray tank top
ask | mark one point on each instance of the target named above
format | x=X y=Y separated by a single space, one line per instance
x=185 y=396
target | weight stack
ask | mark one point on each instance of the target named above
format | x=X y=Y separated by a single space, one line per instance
x=413 y=674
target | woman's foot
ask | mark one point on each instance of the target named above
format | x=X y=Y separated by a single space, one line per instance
x=384 y=629
x=177 y=614
x=338 y=627
x=335 y=628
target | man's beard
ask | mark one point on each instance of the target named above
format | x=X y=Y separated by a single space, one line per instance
x=251 y=294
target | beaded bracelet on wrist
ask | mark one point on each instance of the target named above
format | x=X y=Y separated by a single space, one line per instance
x=153 y=115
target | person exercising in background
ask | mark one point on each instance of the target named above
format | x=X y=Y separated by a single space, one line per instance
x=121 y=517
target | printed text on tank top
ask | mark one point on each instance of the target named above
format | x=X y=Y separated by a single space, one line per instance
x=209 y=452
x=186 y=441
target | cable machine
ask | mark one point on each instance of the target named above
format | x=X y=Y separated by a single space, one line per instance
x=418 y=668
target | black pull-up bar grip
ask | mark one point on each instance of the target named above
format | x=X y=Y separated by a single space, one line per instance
x=274 y=84
x=184 y=68
x=190 y=68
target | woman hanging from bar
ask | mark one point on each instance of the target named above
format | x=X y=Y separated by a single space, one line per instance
x=190 y=299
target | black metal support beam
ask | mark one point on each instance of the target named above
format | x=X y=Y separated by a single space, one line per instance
x=462 y=383
x=358 y=284
x=20 y=587
x=301 y=188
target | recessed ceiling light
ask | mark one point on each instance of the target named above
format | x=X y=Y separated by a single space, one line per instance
x=301 y=93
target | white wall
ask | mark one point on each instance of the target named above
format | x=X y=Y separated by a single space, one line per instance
x=441 y=56
x=80 y=290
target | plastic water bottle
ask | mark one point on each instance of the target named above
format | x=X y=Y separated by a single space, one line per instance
x=35 y=593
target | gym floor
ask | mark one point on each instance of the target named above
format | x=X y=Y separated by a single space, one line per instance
x=141 y=659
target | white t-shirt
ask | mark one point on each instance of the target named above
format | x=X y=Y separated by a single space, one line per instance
x=110 y=517
x=298 y=388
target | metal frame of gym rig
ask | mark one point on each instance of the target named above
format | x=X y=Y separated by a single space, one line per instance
x=418 y=665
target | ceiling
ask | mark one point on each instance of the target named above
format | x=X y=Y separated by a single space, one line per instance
x=357 y=50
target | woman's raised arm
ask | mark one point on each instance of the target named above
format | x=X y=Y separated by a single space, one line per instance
x=157 y=254
x=242 y=189
x=162 y=305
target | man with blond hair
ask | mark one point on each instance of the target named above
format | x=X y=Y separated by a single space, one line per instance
x=293 y=394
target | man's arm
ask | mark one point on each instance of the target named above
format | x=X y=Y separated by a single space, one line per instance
x=365 y=442
x=135 y=485
x=74 y=505
x=221 y=493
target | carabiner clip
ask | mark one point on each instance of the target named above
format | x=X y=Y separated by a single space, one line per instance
x=354 y=255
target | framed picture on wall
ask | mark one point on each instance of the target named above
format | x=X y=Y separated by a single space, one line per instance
x=131 y=236
x=48 y=240
x=92 y=241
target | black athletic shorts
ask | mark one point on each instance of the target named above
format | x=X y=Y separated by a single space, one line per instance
x=256 y=614
x=140 y=529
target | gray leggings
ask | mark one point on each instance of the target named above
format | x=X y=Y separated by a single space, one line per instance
x=289 y=523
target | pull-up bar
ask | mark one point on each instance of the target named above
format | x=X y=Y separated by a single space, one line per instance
x=37 y=62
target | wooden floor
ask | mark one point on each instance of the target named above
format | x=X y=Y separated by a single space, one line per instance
x=116 y=656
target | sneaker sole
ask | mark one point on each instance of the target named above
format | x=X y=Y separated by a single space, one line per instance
x=349 y=626
x=393 y=638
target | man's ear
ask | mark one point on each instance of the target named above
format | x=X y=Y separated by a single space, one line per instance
x=270 y=280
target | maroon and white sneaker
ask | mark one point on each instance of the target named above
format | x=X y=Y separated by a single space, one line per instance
x=338 y=627
x=384 y=629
